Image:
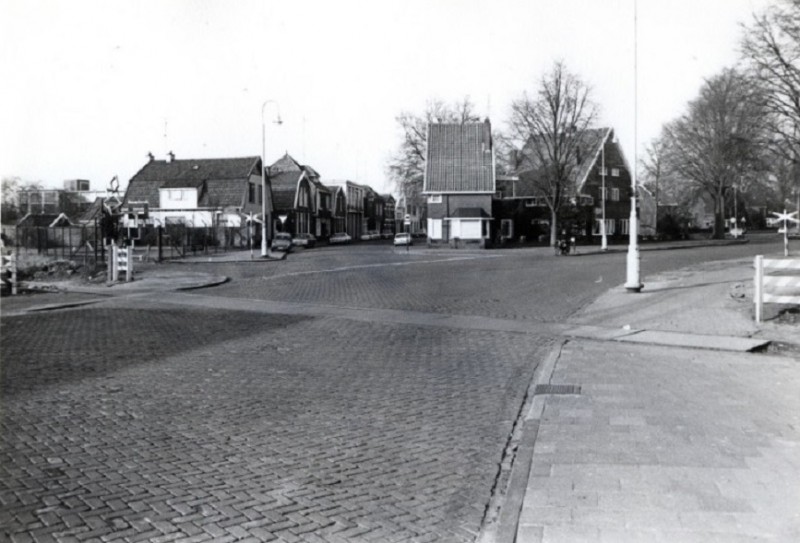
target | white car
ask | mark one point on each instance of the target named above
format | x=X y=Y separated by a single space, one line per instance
x=339 y=237
x=403 y=239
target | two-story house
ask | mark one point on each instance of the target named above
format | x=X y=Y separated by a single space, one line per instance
x=199 y=193
x=459 y=182
x=294 y=190
x=601 y=187
x=354 y=196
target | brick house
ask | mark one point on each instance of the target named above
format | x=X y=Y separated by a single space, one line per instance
x=521 y=210
x=459 y=182
x=295 y=193
x=355 y=196
x=200 y=193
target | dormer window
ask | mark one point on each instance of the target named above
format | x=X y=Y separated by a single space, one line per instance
x=435 y=199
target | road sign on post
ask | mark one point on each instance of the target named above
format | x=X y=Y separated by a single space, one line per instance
x=786 y=218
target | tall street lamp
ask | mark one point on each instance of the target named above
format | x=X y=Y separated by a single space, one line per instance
x=266 y=217
x=633 y=283
x=603 y=237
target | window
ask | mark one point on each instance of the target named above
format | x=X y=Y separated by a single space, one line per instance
x=603 y=171
x=535 y=202
x=435 y=199
x=614 y=172
x=176 y=194
x=603 y=193
x=251 y=193
x=623 y=226
x=615 y=195
x=596 y=231
x=586 y=200
x=435 y=228
x=260 y=194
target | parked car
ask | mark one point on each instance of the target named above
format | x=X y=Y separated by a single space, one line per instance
x=339 y=237
x=304 y=240
x=403 y=238
x=282 y=242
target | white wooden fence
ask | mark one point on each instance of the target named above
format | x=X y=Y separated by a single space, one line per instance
x=776 y=289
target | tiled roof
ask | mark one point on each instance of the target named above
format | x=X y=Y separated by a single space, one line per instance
x=592 y=141
x=285 y=164
x=284 y=187
x=459 y=158
x=225 y=179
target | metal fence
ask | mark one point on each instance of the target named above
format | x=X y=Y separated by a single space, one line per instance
x=87 y=243
x=67 y=242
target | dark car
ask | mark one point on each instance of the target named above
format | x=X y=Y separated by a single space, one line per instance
x=282 y=242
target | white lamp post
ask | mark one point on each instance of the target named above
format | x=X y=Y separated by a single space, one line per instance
x=603 y=237
x=633 y=282
x=266 y=218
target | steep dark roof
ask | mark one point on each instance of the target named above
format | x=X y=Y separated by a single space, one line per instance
x=591 y=143
x=459 y=158
x=222 y=180
x=285 y=164
x=284 y=187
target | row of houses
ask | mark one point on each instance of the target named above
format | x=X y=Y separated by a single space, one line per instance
x=464 y=197
x=224 y=193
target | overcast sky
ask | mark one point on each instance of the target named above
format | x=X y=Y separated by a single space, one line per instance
x=90 y=87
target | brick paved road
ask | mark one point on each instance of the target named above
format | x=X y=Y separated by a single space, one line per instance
x=226 y=426
x=134 y=421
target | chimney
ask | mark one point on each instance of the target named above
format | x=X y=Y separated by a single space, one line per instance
x=170 y=157
x=150 y=157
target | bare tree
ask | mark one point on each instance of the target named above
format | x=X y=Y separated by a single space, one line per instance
x=549 y=127
x=718 y=142
x=771 y=45
x=406 y=167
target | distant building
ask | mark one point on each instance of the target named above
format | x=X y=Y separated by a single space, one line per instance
x=459 y=182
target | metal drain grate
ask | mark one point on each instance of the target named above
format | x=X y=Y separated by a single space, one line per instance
x=557 y=389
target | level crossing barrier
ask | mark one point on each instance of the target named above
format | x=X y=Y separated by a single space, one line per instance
x=776 y=289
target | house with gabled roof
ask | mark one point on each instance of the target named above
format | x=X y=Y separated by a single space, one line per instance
x=355 y=221
x=521 y=209
x=199 y=193
x=459 y=182
x=295 y=192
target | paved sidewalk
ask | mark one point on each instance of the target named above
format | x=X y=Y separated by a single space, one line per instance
x=658 y=443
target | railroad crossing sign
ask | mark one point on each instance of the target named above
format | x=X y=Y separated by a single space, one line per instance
x=786 y=218
x=251 y=218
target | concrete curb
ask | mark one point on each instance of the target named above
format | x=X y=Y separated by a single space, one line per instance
x=505 y=530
